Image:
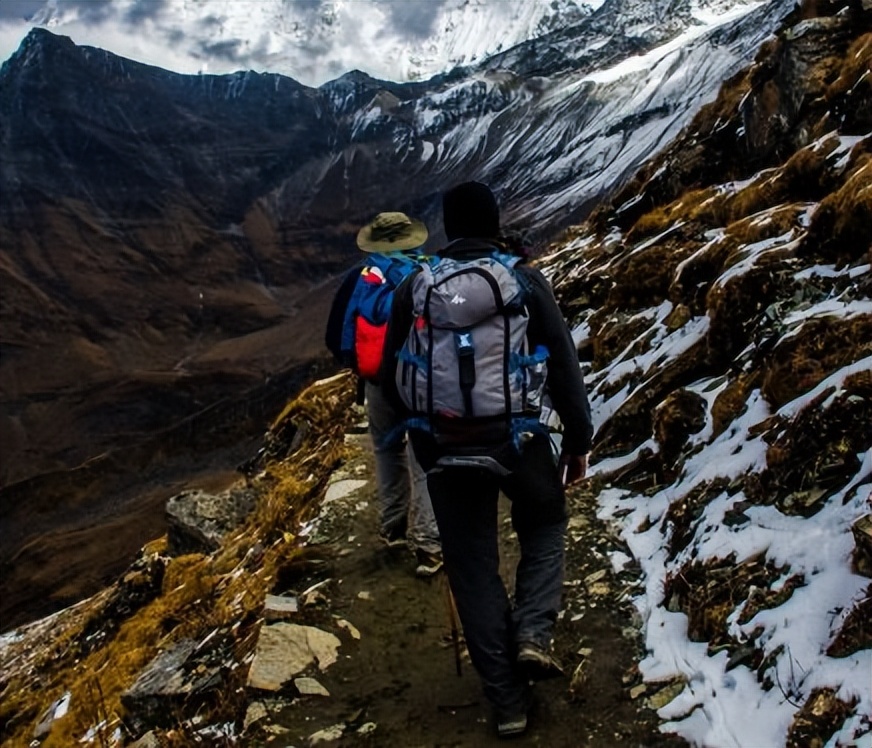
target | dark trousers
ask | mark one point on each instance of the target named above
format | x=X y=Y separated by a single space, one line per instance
x=465 y=504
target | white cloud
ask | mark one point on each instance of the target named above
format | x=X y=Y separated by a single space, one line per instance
x=310 y=40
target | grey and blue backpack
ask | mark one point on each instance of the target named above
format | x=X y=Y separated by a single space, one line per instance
x=465 y=370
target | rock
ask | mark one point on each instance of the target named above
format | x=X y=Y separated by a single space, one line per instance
x=314 y=599
x=579 y=678
x=817 y=719
x=366 y=728
x=677 y=318
x=279 y=607
x=149 y=740
x=591 y=579
x=680 y=414
x=361 y=427
x=276 y=729
x=285 y=649
x=350 y=628
x=310 y=687
x=167 y=682
x=197 y=521
x=637 y=691
x=55 y=711
x=364 y=595
x=342 y=488
x=256 y=711
x=666 y=694
x=327 y=735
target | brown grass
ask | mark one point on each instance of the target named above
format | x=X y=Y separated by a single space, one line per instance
x=856 y=631
x=821 y=715
x=612 y=333
x=819 y=348
x=708 y=592
x=731 y=401
x=679 y=415
x=682 y=514
x=661 y=218
x=818 y=450
x=852 y=67
x=841 y=229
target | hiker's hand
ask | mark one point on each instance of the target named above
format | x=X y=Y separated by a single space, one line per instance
x=572 y=468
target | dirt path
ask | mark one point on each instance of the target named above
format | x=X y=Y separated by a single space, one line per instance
x=397 y=686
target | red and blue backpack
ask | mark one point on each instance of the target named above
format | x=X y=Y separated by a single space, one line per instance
x=366 y=316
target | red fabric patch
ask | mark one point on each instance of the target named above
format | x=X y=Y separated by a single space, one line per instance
x=369 y=342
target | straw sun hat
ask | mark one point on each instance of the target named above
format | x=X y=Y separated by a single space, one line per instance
x=391 y=232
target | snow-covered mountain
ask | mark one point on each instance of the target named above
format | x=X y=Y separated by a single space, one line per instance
x=164 y=236
x=721 y=303
x=312 y=42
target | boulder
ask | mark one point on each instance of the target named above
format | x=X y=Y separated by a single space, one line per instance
x=170 y=680
x=197 y=521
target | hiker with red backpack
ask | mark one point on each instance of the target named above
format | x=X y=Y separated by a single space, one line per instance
x=355 y=333
x=473 y=341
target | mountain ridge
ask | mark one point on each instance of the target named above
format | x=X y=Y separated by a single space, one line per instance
x=725 y=344
x=168 y=244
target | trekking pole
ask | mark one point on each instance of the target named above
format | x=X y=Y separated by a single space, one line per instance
x=455 y=632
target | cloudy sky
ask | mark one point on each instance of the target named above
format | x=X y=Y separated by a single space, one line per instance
x=310 y=40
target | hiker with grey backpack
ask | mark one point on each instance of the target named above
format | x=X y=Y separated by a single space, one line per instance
x=473 y=341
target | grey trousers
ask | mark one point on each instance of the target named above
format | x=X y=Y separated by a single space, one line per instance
x=465 y=502
x=404 y=501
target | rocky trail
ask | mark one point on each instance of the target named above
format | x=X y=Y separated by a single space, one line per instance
x=395 y=682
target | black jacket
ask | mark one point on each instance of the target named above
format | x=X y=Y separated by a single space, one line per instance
x=546 y=327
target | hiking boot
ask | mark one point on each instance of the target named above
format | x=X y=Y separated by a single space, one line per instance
x=429 y=562
x=393 y=539
x=512 y=721
x=510 y=724
x=536 y=663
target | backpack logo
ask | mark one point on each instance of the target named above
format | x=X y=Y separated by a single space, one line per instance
x=458 y=299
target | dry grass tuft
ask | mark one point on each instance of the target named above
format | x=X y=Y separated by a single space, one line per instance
x=709 y=592
x=684 y=209
x=732 y=401
x=817 y=349
x=612 y=333
x=821 y=715
x=819 y=450
x=682 y=515
x=856 y=632
x=841 y=228
x=853 y=70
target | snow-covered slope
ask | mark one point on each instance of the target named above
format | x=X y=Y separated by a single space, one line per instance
x=555 y=123
x=726 y=310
